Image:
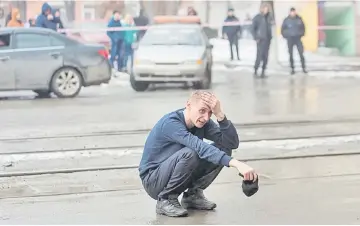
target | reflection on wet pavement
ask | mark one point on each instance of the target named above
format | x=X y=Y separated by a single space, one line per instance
x=243 y=99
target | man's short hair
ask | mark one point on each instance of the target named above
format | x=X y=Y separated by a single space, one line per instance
x=115 y=11
x=292 y=9
x=196 y=95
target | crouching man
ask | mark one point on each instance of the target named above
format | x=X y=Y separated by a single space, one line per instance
x=177 y=161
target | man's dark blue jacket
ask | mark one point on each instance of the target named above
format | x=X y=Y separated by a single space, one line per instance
x=42 y=20
x=170 y=134
x=115 y=35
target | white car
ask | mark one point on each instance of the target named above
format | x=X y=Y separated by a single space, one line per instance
x=173 y=53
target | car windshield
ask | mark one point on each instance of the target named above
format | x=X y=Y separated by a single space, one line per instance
x=172 y=36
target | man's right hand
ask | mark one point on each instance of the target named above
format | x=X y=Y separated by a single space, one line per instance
x=245 y=170
x=250 y=176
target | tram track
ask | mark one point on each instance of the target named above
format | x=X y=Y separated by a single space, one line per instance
x=127 y=167
x=121 y=147
x=118 y=150
x=147 y=130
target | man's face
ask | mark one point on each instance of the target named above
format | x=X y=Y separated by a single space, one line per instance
x=199 y=112
x=47 y=12
x=117 y=16
x=265 y=9
x=230 y=13
x=57 y=14
x=293 y=13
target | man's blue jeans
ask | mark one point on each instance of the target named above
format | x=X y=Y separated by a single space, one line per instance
x=116 y=50
x=129 y=52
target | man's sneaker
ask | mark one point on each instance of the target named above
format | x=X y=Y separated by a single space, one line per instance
x=196 y=200
x=170 y=207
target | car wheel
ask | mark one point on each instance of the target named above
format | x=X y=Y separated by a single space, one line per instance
x=66 y=83
x=206 y=82
x=43 y=93
x=138 y=86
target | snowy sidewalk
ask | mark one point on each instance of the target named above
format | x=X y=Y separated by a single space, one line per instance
x=279 y=58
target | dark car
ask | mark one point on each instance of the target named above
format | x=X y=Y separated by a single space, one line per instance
x=45 y=61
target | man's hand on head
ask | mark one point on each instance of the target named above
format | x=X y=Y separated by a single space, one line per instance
x=214 y=104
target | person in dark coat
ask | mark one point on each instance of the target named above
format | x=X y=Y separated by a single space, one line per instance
x=47 y=19
x=141 y=21
x=262 y=33
x=8 y=17
x=191 y=11
x=57 y=15
x=116 y=38
x=232 y=32
x=59 y=23
x=293 y=29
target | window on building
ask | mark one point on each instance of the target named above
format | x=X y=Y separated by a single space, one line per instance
x=88 y=12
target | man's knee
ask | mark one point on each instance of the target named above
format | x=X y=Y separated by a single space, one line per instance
x=191 y=157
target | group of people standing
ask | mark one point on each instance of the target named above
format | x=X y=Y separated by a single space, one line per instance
x=49 y=18
x=122 y=40
x=292 y=29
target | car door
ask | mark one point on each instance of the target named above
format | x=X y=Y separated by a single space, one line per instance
x=7 y=75
x=36 y=60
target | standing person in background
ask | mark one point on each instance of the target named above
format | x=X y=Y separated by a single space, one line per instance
x=8 y=17
x=191 y=11
x=262 y=33
x=57 y=15
x=232 y=32
x=129 y=39
x=141 y=21
x=30 y=23
x=116 y=38
x=293 y=29
x=15 y=19
x=46 y=19
x=59 y=23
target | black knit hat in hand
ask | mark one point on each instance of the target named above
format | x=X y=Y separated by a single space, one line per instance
x=250 y=187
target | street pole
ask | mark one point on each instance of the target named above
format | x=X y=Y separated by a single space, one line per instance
x=207 y=11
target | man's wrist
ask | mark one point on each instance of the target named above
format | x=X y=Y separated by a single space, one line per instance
x=240 y=166
x=220 y=116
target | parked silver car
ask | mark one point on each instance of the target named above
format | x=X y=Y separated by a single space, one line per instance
x=172 y=53
x=45 y=61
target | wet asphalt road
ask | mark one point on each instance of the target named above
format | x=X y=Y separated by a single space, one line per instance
x=300 y=191
x=243 y=100
x=327 y=200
